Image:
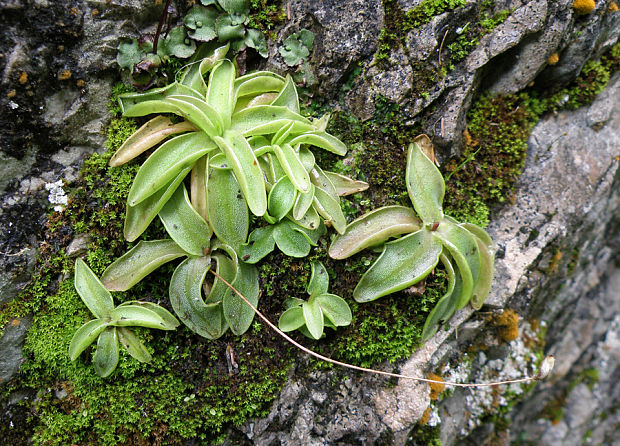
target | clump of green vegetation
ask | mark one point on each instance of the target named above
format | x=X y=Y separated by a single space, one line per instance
x=266 y=15
x=470 y=35
x=495 y=142
x=495 y=146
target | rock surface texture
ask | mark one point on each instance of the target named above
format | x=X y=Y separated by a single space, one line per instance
x=558 y=241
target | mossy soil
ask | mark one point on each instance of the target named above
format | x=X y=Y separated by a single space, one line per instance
x=199 y=389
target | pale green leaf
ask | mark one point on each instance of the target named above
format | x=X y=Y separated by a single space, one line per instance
x=260 y=243
x=291 y=242
x=154 y=97
x=139 y=262
x=228 y=270
x=483 y=285
x=165 y=164
x=220 y=93
x=311 y=220
x=137 y=316
x=138 y=217
x=402 y=263
x=86 y=335
x=319 y=279
x=184 y=225
x=227 y=209
x=268 y=119
x=313 y=317
x=238 y=313
x=281 y=198
x=307 y=158
x=335 y=308
x=446 y=305
x=257 y=83
x=186 y=299
x=303 y=203
x=319 y=179
x=288 y=96
x=147 y=136
x=292 y=319
x=329 y=208
x=96 y=297
x=425 y=185
x=373 y=229
x=106 y=355
x=198 y=187
x=133 y=345
x=281 y=135
x=246 y=169
x=293 y=167
x=320 y=139
x=169 y=320
x=464 y=250
x=199 y=113
x=345 y=185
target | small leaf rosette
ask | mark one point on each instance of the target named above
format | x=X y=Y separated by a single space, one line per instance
x=238 y=133
x=111 y=323
x=465 y=250
x=319 y=311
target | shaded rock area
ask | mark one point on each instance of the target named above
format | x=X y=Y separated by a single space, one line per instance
x=558 y=241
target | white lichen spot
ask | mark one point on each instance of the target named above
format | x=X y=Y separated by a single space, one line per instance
x=57 y=195
x=13 y=105
x=434 y=419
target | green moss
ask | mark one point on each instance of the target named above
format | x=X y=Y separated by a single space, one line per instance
x=266 y=15
x=470 y=35
x=425 y=435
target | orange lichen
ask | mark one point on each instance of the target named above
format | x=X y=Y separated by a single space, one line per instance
x=584 y=6
x=80 y=83
x=64 y=75
x=15 y=322
x=555 y=261
x=23 y=78
x=11 y=94
x=507 y=325
x=553 y=59
x=436 y=388
x=613 y=7
x=426 y=416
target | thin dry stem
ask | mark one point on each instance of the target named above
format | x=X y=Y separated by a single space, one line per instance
x=363 y=369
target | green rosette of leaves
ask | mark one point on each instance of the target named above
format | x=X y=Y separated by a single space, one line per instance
x=112 y=323
x=321 y=310
x=465 y=250
x=250 y=126
x=207 y=307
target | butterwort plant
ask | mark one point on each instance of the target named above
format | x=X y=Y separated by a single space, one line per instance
x=426 y=237
x=321 y=310
x=111 y=324
x=248 y=126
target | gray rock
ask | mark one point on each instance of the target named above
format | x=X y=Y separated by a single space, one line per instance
x=79 y=245
x=11 y=342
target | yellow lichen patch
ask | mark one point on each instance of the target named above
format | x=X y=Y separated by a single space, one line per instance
x=584 y=6
x=64 y=75
x=507 y=325
x=80 y=83
x=613 y=7
x=11 y=94
x=553 y=59
x=426 y=416
x=436 y=388
x=23 y=78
